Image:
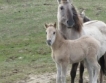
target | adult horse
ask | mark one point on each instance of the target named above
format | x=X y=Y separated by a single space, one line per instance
x=72 y=27
x=102 y=59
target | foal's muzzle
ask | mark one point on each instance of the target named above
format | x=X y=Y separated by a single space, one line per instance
x=49 y=42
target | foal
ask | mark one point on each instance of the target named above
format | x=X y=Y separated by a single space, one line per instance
x=65 y=52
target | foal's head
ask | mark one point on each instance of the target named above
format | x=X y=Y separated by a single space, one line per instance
x=68 y=16
x=50 y=33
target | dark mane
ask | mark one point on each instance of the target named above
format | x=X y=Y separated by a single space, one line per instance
x=77 y=19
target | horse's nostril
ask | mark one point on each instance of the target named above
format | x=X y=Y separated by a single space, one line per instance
x=49 y=42
x=67 y=22
x=70 y=23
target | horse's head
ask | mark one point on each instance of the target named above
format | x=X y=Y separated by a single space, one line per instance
x=65 y=13
x=68 y=16
x=84 y=17
x=50 y=33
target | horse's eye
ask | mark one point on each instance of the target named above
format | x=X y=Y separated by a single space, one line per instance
x=46 y=32
x=61 y=8
x=53 y=33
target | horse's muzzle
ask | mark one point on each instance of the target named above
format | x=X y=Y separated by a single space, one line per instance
x=70 y=23
x=49 y=42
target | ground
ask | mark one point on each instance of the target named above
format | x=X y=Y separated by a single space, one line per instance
x=51 y=78
x=24 y=54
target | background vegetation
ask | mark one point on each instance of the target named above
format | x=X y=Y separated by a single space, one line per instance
x=23 y=50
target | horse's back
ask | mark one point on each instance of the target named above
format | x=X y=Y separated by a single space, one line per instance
x=99 y=24
x=94 y=22
x=97 y=29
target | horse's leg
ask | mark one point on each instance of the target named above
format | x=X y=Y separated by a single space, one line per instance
x=105 y=63
x=58 y=77
x=81 y=72
x=101 y=76
x=90 y=71
x=73 y=72
x=64 y=72
x=102 y=63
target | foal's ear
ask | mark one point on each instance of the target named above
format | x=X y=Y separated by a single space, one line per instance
x=46 y=26
x=55 y=24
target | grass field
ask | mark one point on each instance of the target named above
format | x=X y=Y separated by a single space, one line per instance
x=23 y=50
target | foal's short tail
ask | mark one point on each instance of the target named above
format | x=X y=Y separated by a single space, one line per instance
x=103 y=64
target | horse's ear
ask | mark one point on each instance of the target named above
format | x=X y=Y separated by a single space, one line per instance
x=70 y=1
x=83 y=12
x=46 y=26
x=58 y=1
x=66 y=0
x=55 y=24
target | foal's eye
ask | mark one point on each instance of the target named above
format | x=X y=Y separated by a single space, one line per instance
x=61 y=8
x=53 y=33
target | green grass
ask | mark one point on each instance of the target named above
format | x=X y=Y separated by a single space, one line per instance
x=23 y=49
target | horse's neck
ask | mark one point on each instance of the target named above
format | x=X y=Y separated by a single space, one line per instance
x=58 y=41
x=70 y=33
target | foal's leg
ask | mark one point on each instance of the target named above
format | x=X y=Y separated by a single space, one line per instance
x=90 y=71
x=81 y=72
x=73 y=72
x=58 y=77
x=64 y=72
x=96 y=67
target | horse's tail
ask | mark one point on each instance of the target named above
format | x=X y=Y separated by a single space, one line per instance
x=103 y=64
